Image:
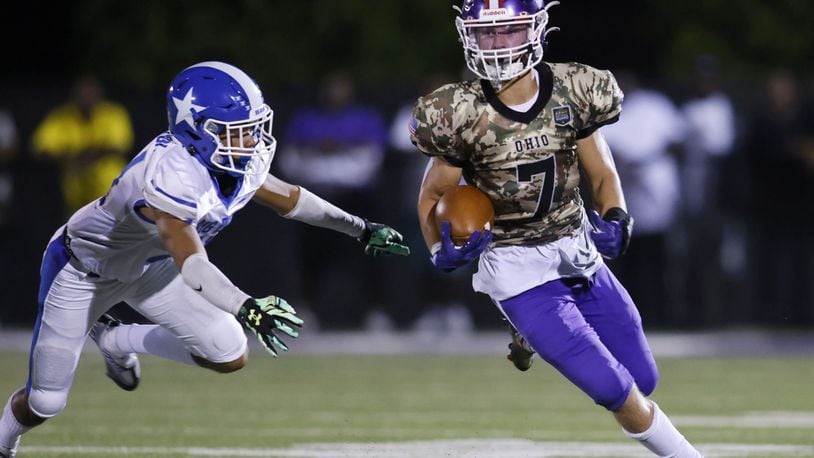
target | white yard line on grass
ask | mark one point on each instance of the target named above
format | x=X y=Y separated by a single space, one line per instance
x=464 y=448
x=767 y=419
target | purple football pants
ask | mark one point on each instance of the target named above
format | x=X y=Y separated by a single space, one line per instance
x=589 y=330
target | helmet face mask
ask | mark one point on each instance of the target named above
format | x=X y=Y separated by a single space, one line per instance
x=502 y=39
x=243 y=147
x=217 y=112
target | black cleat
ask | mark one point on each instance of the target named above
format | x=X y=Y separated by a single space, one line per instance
x=520 y=352
x=9 y=453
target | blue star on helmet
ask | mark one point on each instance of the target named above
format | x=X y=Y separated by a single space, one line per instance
x=185 y=107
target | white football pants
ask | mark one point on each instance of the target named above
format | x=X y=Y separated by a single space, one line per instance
x=74 y=301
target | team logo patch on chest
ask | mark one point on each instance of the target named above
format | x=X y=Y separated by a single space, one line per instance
x=561 y=115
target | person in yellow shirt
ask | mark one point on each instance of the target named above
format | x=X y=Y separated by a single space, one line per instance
x=89 y=138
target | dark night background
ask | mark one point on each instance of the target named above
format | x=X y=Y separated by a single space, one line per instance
x=390 y=47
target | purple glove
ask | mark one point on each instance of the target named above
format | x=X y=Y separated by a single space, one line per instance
x=611 y=234
x=448 y=257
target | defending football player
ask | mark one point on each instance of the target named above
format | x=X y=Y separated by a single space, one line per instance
x=520 y=133
x=143 y=243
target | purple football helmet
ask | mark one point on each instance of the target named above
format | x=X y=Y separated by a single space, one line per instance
x=217 y=112
x=502 y=39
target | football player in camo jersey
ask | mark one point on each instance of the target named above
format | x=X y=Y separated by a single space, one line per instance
x=520 y=133
x=144 y=243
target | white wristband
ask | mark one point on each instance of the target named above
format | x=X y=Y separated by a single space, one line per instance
x=312 y=209
x=208 y=281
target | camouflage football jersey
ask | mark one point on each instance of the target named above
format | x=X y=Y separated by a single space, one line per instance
x=526 y=162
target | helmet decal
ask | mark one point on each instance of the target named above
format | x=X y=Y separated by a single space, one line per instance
x=185 y=109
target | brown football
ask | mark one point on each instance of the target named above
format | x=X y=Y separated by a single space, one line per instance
x=467 y=209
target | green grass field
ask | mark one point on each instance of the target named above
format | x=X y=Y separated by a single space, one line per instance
x=294 y=400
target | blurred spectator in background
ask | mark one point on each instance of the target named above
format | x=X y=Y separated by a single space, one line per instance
x=643 y=144
x=435 y=300
x=710 y=137
x=336 y=150
x=710 y=218
x=88 y=138
x=339 y=146
x=9 y=141
x=782 y=188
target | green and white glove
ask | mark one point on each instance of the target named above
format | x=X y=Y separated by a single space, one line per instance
x=265 y=316
x=379 y=238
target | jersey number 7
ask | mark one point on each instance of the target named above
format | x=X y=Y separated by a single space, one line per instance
x=546 y=170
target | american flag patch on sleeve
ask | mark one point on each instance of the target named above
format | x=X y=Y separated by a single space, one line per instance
x=412 y=125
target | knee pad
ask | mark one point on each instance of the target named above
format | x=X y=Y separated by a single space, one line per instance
x=52 y=373
x=47 y=403
x=594 y=371
x=646 y=382
x=611 y=390
x=224 y=342
x=607 y=382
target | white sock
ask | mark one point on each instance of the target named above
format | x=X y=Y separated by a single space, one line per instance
x=151 y=339
x=10 y=430
x=663 y=439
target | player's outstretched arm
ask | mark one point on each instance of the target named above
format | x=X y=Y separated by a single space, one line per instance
x=298 y=203
x=263 y=317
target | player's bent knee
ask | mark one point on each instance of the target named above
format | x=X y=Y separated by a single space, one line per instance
x=608 y=385
x=223 y=368
x=609 y=388
x=233 y=366
x=224 y=343
x=612 y=397
x=51 y=376
x=647 y=382
x=47 y=403
x=222 y=347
